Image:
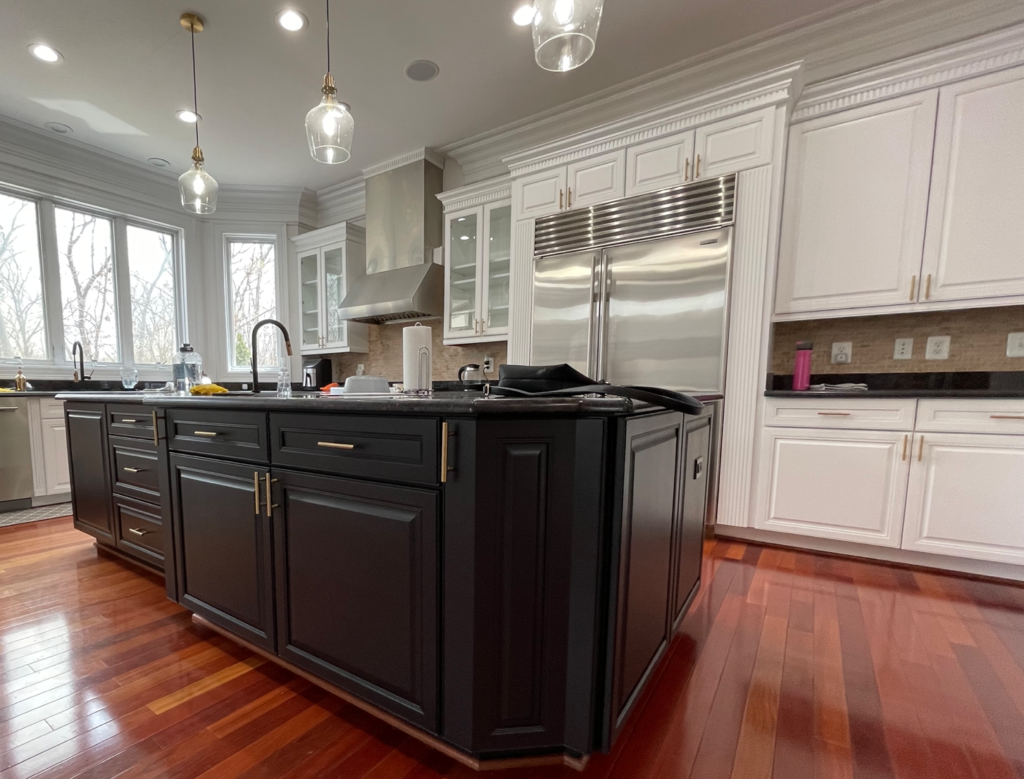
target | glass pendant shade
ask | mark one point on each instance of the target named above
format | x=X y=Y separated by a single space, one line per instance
x=198 y=188
x=329 y=128
x=565 y=32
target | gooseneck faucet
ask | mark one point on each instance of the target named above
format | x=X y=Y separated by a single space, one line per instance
x=80 y=369
x=255 y=359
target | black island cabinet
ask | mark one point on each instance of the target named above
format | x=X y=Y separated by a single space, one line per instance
x=500 y=578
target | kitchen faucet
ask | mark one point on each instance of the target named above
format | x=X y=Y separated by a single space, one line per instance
x=80 y=369
x=255 y=360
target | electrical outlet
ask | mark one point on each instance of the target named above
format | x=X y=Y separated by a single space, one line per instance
x=1015 y=345
x=360 y=369
x=488 y=363
x=904 y=349
x=842 y=352
x=938 y=348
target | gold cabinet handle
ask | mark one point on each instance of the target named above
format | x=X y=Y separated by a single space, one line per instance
x=1006 y=416
x=156 y=432
x=444 y=452
x=570 y=197
x=686 y=170
x=904 y=457
x=270 y=506
x=833 y=413
x=920 y=451
x=913 y=285
x=132 y=470
x=137 y=531
x=696 y=172
x=561 y=199
x=128 y=421
x=928 y=288
x=204 y=434
x=329 y=445
x=256 y=490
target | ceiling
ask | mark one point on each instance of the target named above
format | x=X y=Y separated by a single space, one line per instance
x=126 y=72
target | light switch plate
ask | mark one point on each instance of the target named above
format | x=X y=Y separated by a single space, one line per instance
x=842 y=351
x=904 y=349
x=938 y=348
x=1015 y=345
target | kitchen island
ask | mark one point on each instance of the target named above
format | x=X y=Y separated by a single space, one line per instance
x=499 y=577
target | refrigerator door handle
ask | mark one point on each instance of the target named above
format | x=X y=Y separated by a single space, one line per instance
x=593 y=347
x=606 y=291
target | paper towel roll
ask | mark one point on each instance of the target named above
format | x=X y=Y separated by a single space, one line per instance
x=417 y=358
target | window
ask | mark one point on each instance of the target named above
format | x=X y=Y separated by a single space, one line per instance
x=22 y=316
x=85 y=248
x=151 y=270
x=253 y=288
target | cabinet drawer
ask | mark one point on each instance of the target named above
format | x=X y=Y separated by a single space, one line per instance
x=995 y=415
x=139 y=529
x=134 y=469
x=238 y=435
x=51 y=408
x=130 y=421
x=390 y=448
x=841 y=413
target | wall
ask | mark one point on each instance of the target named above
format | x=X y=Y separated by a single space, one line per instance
x=978 y=341
x=385 y=357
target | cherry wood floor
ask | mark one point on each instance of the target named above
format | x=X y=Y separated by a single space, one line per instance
x=789 y=665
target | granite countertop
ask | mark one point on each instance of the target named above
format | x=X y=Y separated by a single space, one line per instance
x=30 y=394
x=953 y=384
x=120 y=397
x=898 y=393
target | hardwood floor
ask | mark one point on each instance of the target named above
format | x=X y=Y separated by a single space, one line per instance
x=788 y=665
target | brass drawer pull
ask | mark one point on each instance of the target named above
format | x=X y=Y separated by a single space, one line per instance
x=137 y=532
x=1006 y=416
x=444 y=452
x=928 y=288
x=329 y=445
x=696 y=173
x=686 y=170
x=132 y=470
x=128 y=421
x=833 y=413
x=256 y=490
x=913 y=285
x=904 y=458
x=920 y=451
x=270 y=506
x=204 y=434
x=156 y=432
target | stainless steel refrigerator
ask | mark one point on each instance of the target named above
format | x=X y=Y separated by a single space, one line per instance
x=636 y=291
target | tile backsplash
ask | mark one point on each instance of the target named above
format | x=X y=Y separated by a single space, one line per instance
x=385 y=356
x=978 y=341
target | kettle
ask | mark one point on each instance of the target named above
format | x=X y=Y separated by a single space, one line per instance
x=471 y=376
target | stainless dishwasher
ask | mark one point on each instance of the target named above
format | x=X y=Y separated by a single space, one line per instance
x=15 y=452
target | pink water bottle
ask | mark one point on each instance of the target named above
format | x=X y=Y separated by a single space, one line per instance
x=802 y=365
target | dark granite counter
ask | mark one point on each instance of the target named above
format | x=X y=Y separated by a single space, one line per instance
x=895 y=393
x=103 y=397
x=970 y=384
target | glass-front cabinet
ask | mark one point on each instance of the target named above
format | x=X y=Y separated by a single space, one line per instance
x=329 y=260
x=478 y=243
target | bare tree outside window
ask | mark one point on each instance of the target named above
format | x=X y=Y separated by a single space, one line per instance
x=22 y=318
x=85 y=245
x=151 y=268
x=251 y=267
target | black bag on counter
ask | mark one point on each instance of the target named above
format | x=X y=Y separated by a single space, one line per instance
x=559 y=381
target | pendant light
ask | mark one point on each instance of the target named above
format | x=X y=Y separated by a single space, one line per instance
x=565 y=32
x=329 y=126
x=198 y=188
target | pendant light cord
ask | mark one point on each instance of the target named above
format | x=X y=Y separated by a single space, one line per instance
x=328 y=3
x=195 y=88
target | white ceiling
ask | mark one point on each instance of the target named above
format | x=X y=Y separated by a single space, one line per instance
x=126 y=72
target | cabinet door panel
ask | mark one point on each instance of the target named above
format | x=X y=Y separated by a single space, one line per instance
x=55 y=456
x=596 y=180
x=310 y=300
x=90 y=478
x=734 y=144
x=975 y=242
x=658 y=164
x=842 y=484
x=226 y=545
x=967 y=497
x=497 y=255
x=540 y=194
x=463 y=230
x=357 y=592
x=855 y=204
x=690 y=534
x=335 y=329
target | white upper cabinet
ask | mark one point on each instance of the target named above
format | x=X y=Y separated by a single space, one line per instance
x=596 y=180
x=974 y=246
x=966 y=497
x=541 y=194
x=734 y=144
x=659 y=164
x=855 y=204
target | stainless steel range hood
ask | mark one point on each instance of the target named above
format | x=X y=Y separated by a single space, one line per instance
x=403 y=227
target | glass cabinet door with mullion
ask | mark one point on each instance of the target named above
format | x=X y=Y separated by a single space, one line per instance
x=334 y=333
x=497 y=253
x=462 y=315
x=310 y=300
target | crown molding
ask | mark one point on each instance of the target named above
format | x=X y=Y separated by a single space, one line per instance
x=866 y=34
x=314 y=239
x=405 y=159
x=341 y=202
x=259 y=203
x=973 y=57
x=760 y=91
x=478 y=194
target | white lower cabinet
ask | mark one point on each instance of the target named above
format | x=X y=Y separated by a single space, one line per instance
x=48 y=440
x=849 y=485
x=966 y=496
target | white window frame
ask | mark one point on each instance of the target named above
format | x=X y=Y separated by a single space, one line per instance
x=238 y=234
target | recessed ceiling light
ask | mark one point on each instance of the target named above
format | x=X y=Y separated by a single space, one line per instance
x=57 y=127
x=524 y=15
x=158 y=162
x=292 y=21
x=188 y=116
x=45 y=53
x=422 y=70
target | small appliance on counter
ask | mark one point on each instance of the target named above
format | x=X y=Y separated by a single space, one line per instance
x=472 y=377
x=316 y=373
